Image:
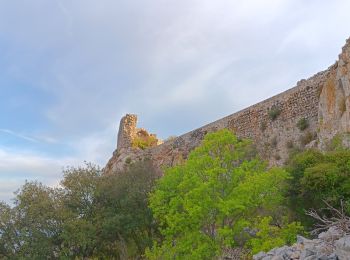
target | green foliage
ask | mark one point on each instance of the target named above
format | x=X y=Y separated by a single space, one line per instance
x=336 y=143
x=31 y=229
x=128 y=160
x=170 y=138
x=125 y=219
x=204 y=203
x=274 y=112
x=271 y=236
x=319 y=176
x=143 y=142
x=90 y=217
x=78 y=204
x=302 y=124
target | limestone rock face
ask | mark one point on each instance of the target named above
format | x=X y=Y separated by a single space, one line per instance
x=342 y=248
x=334 y=105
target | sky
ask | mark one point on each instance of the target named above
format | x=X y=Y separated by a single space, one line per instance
x=69 y=70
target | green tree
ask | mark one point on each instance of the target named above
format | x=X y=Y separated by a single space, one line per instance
x=89 y=216
x=32 y=228
x=78 y=204
x=202 y=205
x=8 y=239
x=126 y=223
x=270 y=236
x=317 y=177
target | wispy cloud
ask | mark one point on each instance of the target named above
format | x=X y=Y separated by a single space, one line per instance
x=33 y=139
x=16 y=166
x=178 y=64
x=17 y=135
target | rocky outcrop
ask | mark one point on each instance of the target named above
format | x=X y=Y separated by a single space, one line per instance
x=308 y=115
x=334 y=105
x=127 y=150
x=330 y=245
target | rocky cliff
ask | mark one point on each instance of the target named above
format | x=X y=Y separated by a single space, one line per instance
x=307 y=115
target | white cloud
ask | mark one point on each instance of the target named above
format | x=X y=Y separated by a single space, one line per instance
x=29 y=164
x=178 y=64
x=18 y=166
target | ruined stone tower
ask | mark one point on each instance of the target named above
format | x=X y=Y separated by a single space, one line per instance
x=308 y=115
x=127 y=131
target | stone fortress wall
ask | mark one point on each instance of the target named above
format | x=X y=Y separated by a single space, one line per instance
x=276 y=125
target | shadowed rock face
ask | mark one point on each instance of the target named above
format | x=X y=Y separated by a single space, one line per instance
x=322 y=102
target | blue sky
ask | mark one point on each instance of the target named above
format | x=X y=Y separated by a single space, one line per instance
x=70 y=69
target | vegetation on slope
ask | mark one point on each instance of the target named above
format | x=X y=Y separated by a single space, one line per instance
x=222 y=197
x=203 y=205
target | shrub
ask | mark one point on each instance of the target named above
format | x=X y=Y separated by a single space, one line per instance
x=274 y=112
x=263 y=126
x=337 y=142
x=303 y=124
x=271 y=236
x=128 y=160
x=319 y=177
x=170 y=138
x=143 y=142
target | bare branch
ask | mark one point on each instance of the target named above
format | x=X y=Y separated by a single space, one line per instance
x=338 y=219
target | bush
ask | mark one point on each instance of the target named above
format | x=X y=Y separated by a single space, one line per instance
x=170 y=138
x=272 y=236
x=319 y=177
x=274 y=112
x=303 y=124
x=337 y=142
x=144 y=142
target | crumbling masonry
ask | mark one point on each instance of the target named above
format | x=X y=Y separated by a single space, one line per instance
x=308 y=115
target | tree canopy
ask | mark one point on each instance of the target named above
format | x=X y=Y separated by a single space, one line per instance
x=317 y=177
x=222 y=197
x=203 y=205
x=89 y=216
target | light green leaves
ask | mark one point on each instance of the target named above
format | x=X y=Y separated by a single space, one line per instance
x=221 y=186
